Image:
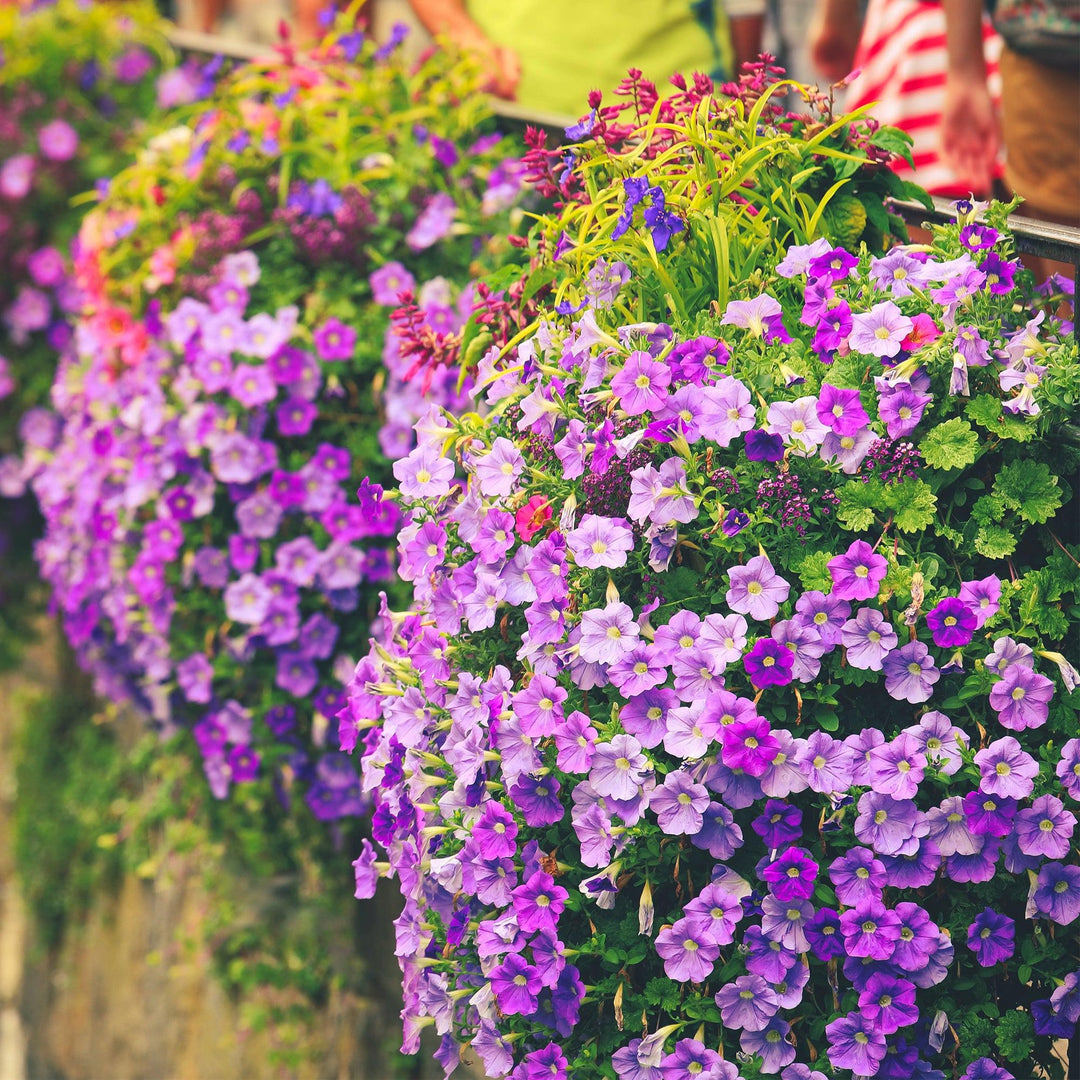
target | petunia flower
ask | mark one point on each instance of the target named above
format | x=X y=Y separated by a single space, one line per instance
x=756 y=589
x=1021 y=699
x=858 y=573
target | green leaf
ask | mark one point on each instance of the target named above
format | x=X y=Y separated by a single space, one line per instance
x=814 y=573
x=951 y=445
x=994 y=542
x=1030 y=488
x=826 y=719
x=986 y=411
x=894 y=140
x=913 y=505
x=540 y=277
x=859 y=504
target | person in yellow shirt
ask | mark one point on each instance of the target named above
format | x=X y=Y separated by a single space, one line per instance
x=547 y=55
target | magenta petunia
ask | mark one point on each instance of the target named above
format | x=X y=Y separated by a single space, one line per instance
x=858 y=573
x=769 y=663
x=952 y=622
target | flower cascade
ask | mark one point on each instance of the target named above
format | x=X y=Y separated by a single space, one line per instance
x=221 y=404
x=733 y=649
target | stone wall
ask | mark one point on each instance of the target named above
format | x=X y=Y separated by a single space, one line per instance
x=130 y=994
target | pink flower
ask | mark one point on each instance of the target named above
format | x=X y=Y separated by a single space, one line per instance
x=58 y=140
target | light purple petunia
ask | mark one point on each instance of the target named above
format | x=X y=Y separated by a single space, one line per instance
x=910 y=673
x=749 y=1003
x=756 y=589
x=1022 y=698
x=641 y=384
x=600 y=542
x=1006 y=770
x=880 y=331
x=726 y=411
x=797 y=422
x=890 y=826
x=687 y=953
x=868 y=639
x=424 y=474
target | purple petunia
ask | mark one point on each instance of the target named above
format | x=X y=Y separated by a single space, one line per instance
x=756 y=589
x=1022 y=698
x=858 y=573
x=990 y=937
x=687 y=952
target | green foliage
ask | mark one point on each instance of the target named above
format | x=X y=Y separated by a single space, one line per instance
x=1030 y=489
x=951 y=445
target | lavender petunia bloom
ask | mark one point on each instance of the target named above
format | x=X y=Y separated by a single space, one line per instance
x=949 y=828
x=890 y=826
x=749 y=1002
x=762 y=316
x=679 y=804
x=982 y=598
x=715 y=913
x=1045 y=828
x=607 y=633
x=881 y=331
x=826 y=615
x=826 y=763
x=797 y=422
x=424 y=474
x=910 y=673
x=727 y=411
x=868 y=639
x=756 y=589
x=687 y=953
x=771 y=1042
x=1006 y=769
x=1007 y=652
x=600 y=542
x=856 y=1043
x=1022 y=698
x=247 y=600
x=1056 y=894
x=618 y=768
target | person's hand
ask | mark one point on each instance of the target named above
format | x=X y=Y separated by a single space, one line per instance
x=969 y=132
x=833 y=43
x=504 y=72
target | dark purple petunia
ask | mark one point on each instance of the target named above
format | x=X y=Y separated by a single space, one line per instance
x=763 y=446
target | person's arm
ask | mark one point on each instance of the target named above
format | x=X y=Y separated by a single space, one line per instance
x=450 y=17
x=969 y=126
x=834 y=37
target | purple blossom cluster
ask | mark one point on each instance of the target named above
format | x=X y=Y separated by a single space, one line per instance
x=201 y=537
x=548 y=751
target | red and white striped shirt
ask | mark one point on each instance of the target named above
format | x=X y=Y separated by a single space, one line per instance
x=902 y=56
